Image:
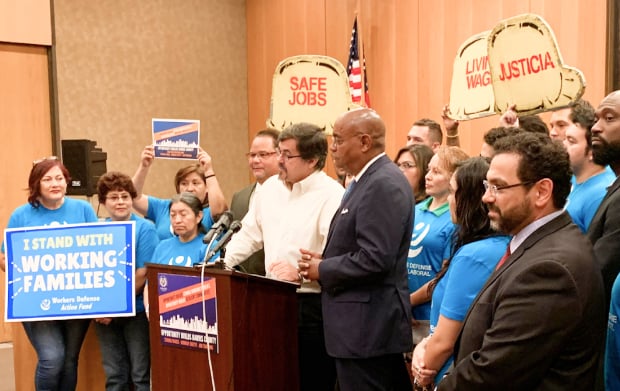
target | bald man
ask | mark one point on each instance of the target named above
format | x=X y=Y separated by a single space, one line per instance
x=362 y=270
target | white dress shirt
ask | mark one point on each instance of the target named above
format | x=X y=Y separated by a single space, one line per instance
x=282 y=221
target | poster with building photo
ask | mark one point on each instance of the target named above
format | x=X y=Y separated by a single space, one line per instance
x=176 y=138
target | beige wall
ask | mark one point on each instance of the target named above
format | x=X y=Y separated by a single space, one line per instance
x=121 y=63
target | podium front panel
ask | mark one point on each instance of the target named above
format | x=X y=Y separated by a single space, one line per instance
x=257 y=336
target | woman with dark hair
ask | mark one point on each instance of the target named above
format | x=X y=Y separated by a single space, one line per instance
x=57 y=342
x=477 y=249
x=124 y=341
x=198 y=179
x=413 y=162
x=431 y=235
x=186 y=247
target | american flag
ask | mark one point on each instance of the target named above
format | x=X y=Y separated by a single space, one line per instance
x=354 y=70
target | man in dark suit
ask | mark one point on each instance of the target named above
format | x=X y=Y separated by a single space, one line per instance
x=263 y=162
x=362 y=271
x=538 y=321
x=604 y=231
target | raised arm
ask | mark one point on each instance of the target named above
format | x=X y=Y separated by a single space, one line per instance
x=217 y=201
x=141 y=202
x=452 y=128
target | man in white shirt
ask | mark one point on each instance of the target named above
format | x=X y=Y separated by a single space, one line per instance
x=293 y=211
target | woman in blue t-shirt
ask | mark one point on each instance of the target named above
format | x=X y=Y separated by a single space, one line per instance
x=430 y=238
x=56 y=342
x=186 y=247
x=198 y=179
x=476 y=252
x=124 y=341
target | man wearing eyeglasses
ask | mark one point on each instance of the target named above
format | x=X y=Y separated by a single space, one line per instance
x=363 y=269
x=289 y=212
x=538 y=322
x=263 y=162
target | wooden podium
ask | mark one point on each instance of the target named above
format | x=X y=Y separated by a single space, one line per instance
x=257 y=336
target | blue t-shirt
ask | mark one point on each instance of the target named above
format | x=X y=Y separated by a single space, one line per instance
x=430 y=246
x=469 y=269
x=612 y=350
x=159 y=212
x=72 y=211
x=174 y=252
x=585 y=198
x=146 y=241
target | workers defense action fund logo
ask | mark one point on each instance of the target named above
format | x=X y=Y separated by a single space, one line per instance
x=70 y=271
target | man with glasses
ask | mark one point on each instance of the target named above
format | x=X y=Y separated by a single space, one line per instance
x=538 y=321
x=363 y=270
x=263 y=162
x=293 y=211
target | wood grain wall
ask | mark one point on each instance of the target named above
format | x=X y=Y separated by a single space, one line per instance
x=410 y=47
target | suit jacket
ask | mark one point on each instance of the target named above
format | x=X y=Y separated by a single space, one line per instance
x=604 y=233
x=538 y=321
x=239 y=206
x=363 y=275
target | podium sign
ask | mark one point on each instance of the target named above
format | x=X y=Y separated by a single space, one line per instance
x=256 y=332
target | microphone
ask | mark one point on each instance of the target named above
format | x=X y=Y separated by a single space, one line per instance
x=235 y=226
x=222 y=224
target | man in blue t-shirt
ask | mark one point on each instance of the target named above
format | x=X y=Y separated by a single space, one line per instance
x=590 y=180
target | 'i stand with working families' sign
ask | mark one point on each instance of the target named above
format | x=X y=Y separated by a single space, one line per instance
x=70 y=271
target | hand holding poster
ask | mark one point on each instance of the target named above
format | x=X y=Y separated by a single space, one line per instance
x=70 y=271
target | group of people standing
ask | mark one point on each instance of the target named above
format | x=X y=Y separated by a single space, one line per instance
x=477 y=262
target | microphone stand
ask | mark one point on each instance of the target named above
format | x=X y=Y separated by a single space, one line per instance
x=235 y=226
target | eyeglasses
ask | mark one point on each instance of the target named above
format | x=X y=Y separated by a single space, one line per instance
x=494 y=189
x=35 y=162
x=261 y=155
x=285 y=155
x=115 y=199
x=406 y=165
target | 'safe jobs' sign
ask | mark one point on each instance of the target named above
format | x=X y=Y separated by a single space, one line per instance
x=309 y=88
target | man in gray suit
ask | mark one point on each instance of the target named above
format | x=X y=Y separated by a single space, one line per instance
x=263 y=161
x=538 y=321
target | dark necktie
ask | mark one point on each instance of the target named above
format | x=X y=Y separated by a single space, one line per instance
x=348 y=190
x=504 y=258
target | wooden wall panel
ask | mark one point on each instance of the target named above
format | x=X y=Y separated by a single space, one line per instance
x=26 y=21
x=410 y=47
x=25 y=128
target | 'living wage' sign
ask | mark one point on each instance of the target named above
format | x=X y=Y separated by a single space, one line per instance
x=70 y=271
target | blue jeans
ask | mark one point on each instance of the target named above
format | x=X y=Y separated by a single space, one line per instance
x=125 y=353
x=58 y=344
